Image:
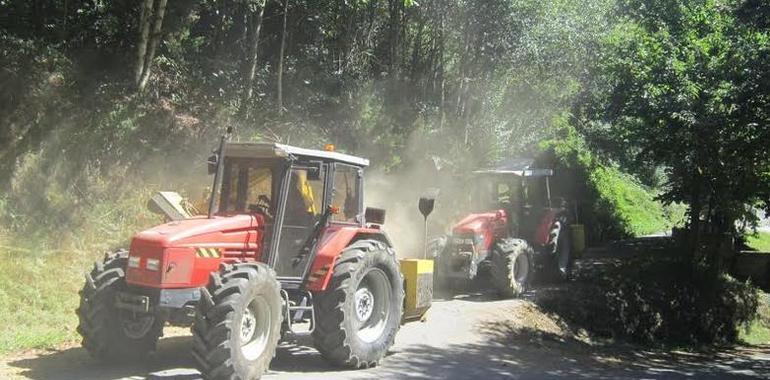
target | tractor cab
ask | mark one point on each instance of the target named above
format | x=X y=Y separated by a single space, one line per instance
x=520 y=191
x=292 y=193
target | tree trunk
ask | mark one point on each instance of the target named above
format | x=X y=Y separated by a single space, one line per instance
x=394 y=35
x=280 y=57
x=63 y=32
x=442 y=103
x=154 y=41
x=251 y=74
x=37 y=16
x=144 y=35
x=696 y=207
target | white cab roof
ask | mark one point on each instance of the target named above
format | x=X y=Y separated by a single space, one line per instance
x=273 y=150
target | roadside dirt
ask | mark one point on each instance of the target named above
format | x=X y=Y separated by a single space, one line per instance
x=465 y=337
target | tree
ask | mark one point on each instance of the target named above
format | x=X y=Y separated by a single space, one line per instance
x=680 y=85
x=256 y=12
x=152 y=14
x=280 y=57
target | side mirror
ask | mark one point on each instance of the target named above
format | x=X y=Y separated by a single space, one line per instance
x=211 y=163
x=315 y=171
x=427 y=202
x=426 y=206
x=374 y=215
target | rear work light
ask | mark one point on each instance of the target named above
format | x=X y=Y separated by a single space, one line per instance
x=153 y=264
x=133 y=261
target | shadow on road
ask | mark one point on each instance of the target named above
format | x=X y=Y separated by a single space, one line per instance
x=75 y=364
x=532 y=354
x=507 y=351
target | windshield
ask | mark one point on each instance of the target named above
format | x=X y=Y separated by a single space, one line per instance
x=493 y=192
x=248 y=185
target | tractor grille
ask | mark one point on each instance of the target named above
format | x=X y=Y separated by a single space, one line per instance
x=461 y=252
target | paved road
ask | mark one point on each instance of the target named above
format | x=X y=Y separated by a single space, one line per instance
x=464 y=338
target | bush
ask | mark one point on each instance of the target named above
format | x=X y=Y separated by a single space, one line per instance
x=656 y=301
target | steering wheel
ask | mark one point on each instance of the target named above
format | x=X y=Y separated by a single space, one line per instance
x=262 y=206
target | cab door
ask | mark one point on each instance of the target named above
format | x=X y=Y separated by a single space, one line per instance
x=304 y=205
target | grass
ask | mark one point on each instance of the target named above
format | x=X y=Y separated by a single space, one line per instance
x=760 y=241
x=758 y=332
x=41 y=274
x=632 y=204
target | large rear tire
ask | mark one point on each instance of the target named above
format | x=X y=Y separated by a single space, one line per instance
x=360 y=313
x=111 y=334
x=237 y=322
x=511 y=267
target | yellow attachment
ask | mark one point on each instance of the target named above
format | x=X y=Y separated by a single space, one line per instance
x=329 y=147
x=418 y=287
x=578 y=233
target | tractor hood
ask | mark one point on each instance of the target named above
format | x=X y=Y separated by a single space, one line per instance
x=475 y=223
x=197 y=230
x=182 y=254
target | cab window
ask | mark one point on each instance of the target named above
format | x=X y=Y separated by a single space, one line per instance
x=345 y=194
x=305 y=198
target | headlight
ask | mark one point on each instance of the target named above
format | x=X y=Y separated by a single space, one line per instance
x=153 y=264
x=133 y=261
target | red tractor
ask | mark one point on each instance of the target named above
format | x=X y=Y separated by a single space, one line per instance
x=286 y=243
x=514 y=230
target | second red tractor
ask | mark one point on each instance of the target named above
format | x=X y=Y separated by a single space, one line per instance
x=514 y=229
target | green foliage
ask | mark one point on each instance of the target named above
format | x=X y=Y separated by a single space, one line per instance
x=679 y=84
x=655 y=302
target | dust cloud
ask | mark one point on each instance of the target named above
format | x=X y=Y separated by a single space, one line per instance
x=398 y=192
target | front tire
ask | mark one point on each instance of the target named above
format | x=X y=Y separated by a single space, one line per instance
x=238 y=322
x=111 y=334
x=557 y=264
x=511 y=267
x=360 y=312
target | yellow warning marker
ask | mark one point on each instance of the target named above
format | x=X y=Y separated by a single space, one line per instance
x=206 y=252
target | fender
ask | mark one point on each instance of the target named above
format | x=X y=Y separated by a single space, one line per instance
x=335 y=238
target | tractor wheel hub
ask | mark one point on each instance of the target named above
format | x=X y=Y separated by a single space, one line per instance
x=137 y=326
x=255 y=328
x=364 y=300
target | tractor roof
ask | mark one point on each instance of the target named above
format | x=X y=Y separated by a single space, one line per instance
x=274 y=150
x=523 y=167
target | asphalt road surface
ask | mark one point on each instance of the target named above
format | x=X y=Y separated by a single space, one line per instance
x=464 y=338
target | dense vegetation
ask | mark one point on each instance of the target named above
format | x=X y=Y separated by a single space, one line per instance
x=106 y=101
x=650 y=302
